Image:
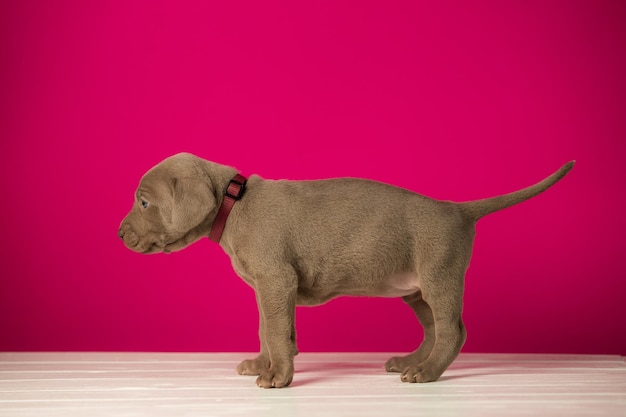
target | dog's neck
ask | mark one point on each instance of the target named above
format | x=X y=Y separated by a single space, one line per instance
x=234 y=191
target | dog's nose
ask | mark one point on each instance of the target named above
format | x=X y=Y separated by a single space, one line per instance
x=120 y=233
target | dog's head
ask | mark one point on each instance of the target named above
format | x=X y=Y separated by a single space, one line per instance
x=174 y=206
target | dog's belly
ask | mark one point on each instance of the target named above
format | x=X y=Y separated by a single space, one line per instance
x=397 y=285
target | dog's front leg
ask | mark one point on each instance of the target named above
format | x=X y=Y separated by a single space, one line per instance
x=277 y=306
x=262 y=362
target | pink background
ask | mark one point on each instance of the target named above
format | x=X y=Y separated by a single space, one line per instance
x=455 y=100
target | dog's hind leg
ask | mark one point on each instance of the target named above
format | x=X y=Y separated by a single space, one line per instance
x=443 y=292
x=425 y=316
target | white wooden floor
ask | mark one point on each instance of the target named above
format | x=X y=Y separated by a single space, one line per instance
x=326 y=384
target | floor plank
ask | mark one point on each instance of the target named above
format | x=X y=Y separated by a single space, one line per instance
x=343 y=384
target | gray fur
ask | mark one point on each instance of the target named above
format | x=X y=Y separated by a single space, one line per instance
x=306 y=242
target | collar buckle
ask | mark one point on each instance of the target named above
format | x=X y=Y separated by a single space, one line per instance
x=236 y=187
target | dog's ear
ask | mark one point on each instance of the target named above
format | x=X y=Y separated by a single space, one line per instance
x=192 y=201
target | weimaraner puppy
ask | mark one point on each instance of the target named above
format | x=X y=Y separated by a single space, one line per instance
x=306 y=242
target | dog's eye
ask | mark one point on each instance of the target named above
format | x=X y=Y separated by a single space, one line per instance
x=144 y=204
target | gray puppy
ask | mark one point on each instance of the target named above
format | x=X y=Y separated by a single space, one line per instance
x=306 y=242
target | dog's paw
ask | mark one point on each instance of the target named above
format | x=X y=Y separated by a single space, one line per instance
x=398 y=364
x=273 y=379
x=414 y=374
x=253 y=366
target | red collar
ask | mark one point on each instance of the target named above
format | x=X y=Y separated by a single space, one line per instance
x=234 y=192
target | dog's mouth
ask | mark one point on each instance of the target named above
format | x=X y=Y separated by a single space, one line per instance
x=148 y=247
x=143 y=244
x=166 y=246
x=175 y=245
x=154 y=248
x=155 y=242
x=145 y=247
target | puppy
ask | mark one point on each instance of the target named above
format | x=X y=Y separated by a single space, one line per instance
x=306 y=242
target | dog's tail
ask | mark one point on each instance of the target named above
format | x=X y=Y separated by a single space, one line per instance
x=479 y=208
